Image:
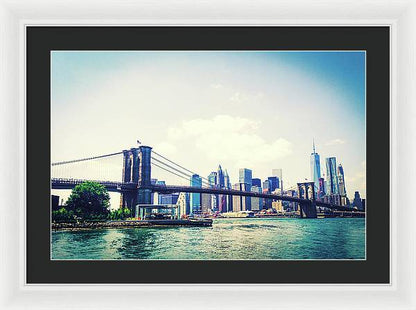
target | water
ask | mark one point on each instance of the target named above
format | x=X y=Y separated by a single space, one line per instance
x=255 y=238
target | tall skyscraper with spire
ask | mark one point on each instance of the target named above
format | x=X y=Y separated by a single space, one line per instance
x=315 y=168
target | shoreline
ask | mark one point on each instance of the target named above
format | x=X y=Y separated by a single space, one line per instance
x=130 y=223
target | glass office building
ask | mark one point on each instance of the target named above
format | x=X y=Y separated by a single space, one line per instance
x=315 y=169
x=331 y=176
x=195 y=198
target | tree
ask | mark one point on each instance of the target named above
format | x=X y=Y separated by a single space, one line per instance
x=89 y=200
x=119 y=214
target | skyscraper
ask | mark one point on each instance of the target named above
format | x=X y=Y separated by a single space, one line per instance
x=195 y=201
x=331 y=176
x=278 y=173
x=183 y=204
x=220 y=177
x=274 y=183
x=245 y=176
x=212 y=180
x=256 y=203
x=357 y=201
x=315 y=168
x=321 y=191
x=341 y=181
x=256 y=182
x=227 y=183
x=241 y=203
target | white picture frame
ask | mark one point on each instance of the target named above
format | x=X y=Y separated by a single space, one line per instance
x=400 y=16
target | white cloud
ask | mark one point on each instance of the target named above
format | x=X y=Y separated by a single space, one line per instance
x=166 y=148
x=335 y=142
x=237 y=97
x=216 y=85
x=226 y=138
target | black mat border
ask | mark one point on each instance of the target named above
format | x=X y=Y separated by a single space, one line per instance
x=41 y=40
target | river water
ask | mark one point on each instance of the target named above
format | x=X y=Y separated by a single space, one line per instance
x=248 y=238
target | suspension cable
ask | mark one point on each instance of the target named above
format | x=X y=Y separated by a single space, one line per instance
x=181 y=176
x=85 y=159
x=154 y=152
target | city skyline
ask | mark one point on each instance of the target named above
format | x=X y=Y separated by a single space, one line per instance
x=255 y=110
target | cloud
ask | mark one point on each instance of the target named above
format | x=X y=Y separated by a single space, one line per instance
x=357 y=181
x=237 y=97
x=166 y=148
x=335 y=142
x=217 y=85
x=226 y=138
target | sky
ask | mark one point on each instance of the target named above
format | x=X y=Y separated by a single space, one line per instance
x=259 y=110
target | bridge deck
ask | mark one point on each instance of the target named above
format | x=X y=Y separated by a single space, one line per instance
x=165 y=189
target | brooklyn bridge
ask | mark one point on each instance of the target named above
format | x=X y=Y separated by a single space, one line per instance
x=136 y=186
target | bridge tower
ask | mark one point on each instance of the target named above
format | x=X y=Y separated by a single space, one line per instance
x=307 y=209
x=137 y=170
x=144 y=192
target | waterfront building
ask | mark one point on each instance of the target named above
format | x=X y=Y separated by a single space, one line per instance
x=274 y=183
x=195 y=201
x=256 y=182
x=245 y=176
x=256 y=203
x=331 y=176
x=267 y=203
x=241 y=203
x=292 y=205
x=278 y=173
x=315 y=168
x=183 y=204
x=206 y=203
x=168 y=199
x=357 y=201
x=278 y=206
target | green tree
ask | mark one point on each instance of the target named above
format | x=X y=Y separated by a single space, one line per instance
x=119 y=214
x=62 y=215
x=89 y=200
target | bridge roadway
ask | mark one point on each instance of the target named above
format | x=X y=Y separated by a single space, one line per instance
x=58 y=183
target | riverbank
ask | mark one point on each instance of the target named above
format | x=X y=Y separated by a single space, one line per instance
x=131 y=223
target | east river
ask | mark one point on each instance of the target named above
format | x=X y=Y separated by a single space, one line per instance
x=247 y=238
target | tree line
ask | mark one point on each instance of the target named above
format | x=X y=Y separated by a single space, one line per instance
x=89 y=201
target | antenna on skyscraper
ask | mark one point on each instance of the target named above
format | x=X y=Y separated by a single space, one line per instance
x=313 y=142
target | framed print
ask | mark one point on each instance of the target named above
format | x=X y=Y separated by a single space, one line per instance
x=210 y=160
x=173 y=212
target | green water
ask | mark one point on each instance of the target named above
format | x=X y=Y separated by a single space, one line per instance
x=257 y=238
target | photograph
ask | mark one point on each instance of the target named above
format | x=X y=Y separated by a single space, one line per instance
x=208 y=155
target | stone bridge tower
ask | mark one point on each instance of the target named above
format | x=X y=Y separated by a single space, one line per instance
x=137 y=170
x=308 y=208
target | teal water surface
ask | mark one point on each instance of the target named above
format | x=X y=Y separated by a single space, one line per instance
x=249 y=238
